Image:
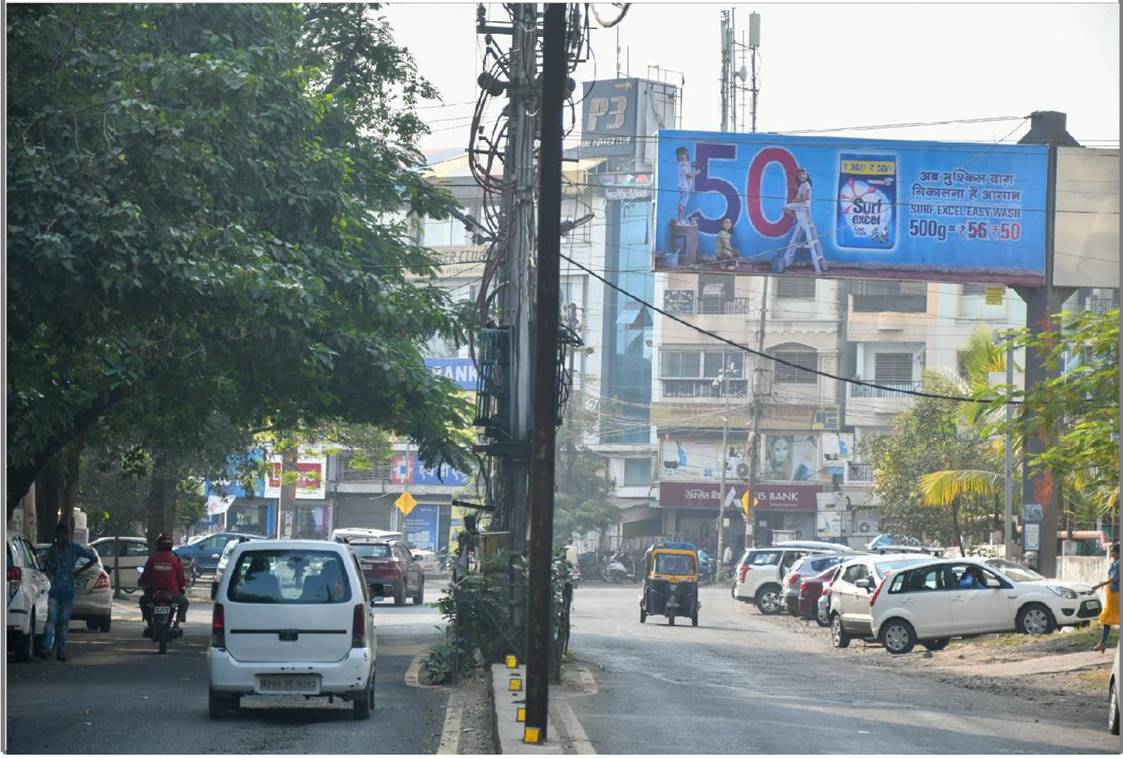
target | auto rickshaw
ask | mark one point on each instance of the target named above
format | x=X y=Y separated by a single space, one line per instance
x=670 y=582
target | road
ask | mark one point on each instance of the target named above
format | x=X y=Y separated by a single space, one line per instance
x=117 y=695
x=741 y=683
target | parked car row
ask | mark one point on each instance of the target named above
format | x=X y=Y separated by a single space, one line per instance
x=908 y=598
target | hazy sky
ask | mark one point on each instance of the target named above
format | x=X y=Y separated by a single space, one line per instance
x=829 y=65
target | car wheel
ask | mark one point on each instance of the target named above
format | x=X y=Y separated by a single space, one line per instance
x=419 y=598
x=1035 y=618
x=839 y=637
x=821 y=618
x=733 y=591
x=642 y=616
x=400 y=595
x=1113 y=708
x=93 y=625
x=898 y=636
x=219 y=705
x=671 y=619
x=768 y=600
x=363 y=704
x=24 y=648
x=105 y=624
x=694 y=619
x=934 y=645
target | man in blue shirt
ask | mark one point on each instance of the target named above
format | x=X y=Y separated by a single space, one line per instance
x=61 y=561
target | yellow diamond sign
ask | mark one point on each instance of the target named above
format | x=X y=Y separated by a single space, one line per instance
x=745 y=502
x=405 y=503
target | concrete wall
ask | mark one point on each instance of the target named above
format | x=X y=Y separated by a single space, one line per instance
x=1082 y=568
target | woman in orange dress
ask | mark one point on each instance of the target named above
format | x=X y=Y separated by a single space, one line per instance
x=1109 y=617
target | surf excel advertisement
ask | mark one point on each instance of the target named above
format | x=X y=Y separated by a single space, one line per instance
x=850 y=208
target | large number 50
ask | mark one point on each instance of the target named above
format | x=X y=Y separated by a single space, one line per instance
x=754 y=205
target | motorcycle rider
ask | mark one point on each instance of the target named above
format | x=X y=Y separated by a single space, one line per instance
x=163 y=571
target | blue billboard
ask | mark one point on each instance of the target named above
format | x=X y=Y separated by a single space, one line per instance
x=421 y=527
x=850 y=208
x=462 y=371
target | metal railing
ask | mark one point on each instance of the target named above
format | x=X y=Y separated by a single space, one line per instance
x=724 y=306
x=859 y=472
x=1102 y=304
x=890 y=303
x=887 y=389
x=676 y=388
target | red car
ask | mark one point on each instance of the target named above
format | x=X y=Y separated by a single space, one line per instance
x=390 y=570
x=810 y=590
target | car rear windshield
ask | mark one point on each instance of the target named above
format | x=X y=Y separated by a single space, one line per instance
x=763 y=557
x=372 y=551
x=289 y=577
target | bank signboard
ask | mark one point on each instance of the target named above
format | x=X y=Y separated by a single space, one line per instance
x=850 y=208
x=769 y=496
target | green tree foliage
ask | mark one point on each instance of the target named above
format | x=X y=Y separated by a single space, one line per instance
x=928 y=437
x=582 y=487
x=200 y=204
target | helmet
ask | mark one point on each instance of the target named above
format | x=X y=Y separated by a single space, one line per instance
x=164 y=541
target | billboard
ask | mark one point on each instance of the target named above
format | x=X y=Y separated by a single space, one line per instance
x=421 y=527
x=407 y=469
x=461 y=371
x=311 y=483
x=850 y=208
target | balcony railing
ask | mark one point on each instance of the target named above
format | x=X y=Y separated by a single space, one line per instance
x=887 y=389
x=676 y=388
x=687 y=303
x=1102 y=304
x=723 y=305
x=890 y=303
x=376 y=473
x=859 y=472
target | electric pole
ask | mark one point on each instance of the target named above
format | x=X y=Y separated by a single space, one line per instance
x=547 y=322
x=721 y=383
x=754 y=448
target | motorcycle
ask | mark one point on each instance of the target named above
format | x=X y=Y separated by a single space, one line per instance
x=620 y=567
x=707 y=571
x=163 y=623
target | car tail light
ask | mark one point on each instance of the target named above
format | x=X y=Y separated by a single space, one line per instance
x=218 y=626
x=742 y=573
x=102 y=582
x=803 y=590
x=793 y=579
x=873 y=597
x=15 y=576
x=359 y=626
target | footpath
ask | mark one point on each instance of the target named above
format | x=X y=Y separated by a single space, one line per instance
x=564 y=733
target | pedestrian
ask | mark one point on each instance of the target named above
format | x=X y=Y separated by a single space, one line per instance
x=61 y=561
x=1109 y=617
x=727 y=556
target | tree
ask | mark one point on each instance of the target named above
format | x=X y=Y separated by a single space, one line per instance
x=197 y=211
x=583 y=490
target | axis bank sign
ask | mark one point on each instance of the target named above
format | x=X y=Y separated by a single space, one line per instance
x=787 y=497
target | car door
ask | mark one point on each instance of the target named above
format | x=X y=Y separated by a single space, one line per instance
x=853 y=600
x=38 y=583
x=924 y=599
x=982 y=609
x=410 y=569
x=133 y=553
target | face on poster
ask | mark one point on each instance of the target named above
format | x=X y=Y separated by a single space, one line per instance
x=837 y=207
x=790 y=458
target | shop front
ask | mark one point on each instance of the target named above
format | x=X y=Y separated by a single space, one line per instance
x=787 y=509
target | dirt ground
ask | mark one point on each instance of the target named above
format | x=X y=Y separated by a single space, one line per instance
x=1068 y=691
x=477 y=731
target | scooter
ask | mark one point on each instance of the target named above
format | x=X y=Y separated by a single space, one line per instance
x=620 y=567
x=163 y=624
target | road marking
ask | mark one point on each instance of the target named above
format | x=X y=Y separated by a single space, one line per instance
x=454 y=718
x=414 y=670
x=578 y=740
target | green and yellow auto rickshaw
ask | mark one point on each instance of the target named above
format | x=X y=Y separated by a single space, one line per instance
x=670 y=582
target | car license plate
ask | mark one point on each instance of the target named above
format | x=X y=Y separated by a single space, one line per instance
x=1092 y=605
x=162 y=610
x=287 y=683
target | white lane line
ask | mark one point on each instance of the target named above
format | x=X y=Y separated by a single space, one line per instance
x=579 y=741
x=454 y=718
x=414 y=670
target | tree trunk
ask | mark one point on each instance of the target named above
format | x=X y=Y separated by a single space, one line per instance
x=955 y=526
x=286 y=503
x=56 y=492
x=160 y=503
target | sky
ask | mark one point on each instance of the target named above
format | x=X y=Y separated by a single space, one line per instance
x=826 y=65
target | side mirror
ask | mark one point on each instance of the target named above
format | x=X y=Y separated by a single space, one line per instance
x=414 y=556
x=865 y=583
x=216 y=556
x=140 y=569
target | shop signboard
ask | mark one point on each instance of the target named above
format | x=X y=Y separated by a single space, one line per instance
x=416 y=472
x=421 y=527
x=769 y=496
x=850 y=208
x=311 y=481
x=462 y=371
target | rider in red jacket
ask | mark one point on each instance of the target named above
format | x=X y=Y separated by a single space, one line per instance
x=164 y=571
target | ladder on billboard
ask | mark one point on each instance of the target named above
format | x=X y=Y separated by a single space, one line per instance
x=805 y=228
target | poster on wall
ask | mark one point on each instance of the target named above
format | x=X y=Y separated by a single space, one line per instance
x=790 y=458
x=421 y=527
x=850 y=208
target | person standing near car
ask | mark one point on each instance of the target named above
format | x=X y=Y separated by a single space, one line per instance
x=61 y=560
x=1109 y=617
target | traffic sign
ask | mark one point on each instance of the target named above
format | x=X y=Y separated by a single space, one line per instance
x=405 y=503
x=745 y=502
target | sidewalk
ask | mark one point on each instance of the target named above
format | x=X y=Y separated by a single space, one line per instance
x=565 y=734
x=1048 y=664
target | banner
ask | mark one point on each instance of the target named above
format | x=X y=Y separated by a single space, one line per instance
x=421 y=527
x=417 y=472
x=311 y=484
x=850 y=208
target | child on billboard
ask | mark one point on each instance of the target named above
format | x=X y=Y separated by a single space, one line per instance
x=723 y=247
x=686 y=174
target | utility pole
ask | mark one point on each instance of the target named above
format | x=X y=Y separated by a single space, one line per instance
x=721 y=383
x=754 y=448
x=1008 y=509
x=754 y=45
x=547 y=321
x=726 y=68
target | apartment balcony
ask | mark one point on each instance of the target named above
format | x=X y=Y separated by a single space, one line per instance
x=877 y=406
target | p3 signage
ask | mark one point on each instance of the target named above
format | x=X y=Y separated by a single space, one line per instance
x=862 y=208
x=609 y=117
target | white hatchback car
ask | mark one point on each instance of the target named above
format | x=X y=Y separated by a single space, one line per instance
x=28 y=585
x=940 y=599
x=292 y=617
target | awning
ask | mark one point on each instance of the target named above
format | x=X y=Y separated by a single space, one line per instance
x=575 y=174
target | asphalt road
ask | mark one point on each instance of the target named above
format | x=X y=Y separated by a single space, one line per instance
x=739 y=683
x=117 y=695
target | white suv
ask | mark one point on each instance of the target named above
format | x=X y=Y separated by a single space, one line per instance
x=292 y=617
x=761 y=571
x=28 y=585
x=941 y=599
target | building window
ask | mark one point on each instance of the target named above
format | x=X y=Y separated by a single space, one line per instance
x=713 y=362
x=715 y=295
x=806 y=359
x=679 y=364
x=897 y=297
x=892 y=368
x=691 y=373
x=637 y=472
x=975 y=290
x=795 y=288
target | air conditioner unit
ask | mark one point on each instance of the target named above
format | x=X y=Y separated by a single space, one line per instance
x=743 y=470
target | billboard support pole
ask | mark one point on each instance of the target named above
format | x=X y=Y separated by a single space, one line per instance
x=1038 y=485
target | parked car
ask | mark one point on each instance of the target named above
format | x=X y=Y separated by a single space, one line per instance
x=895 y=543
x=1088 y=609
x=122 y=555
x=390 y=570
x=345 y=535
x=823 y=604
x=932 y=602
x=28 y=585
x=810 y=590
x=804 y=568
x=292 y=617
x=225 y=558
x=93 y=595
x=761 y=570
x=207 y=552
x=851 y=590
x=1113 y=696
x=426 y=559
